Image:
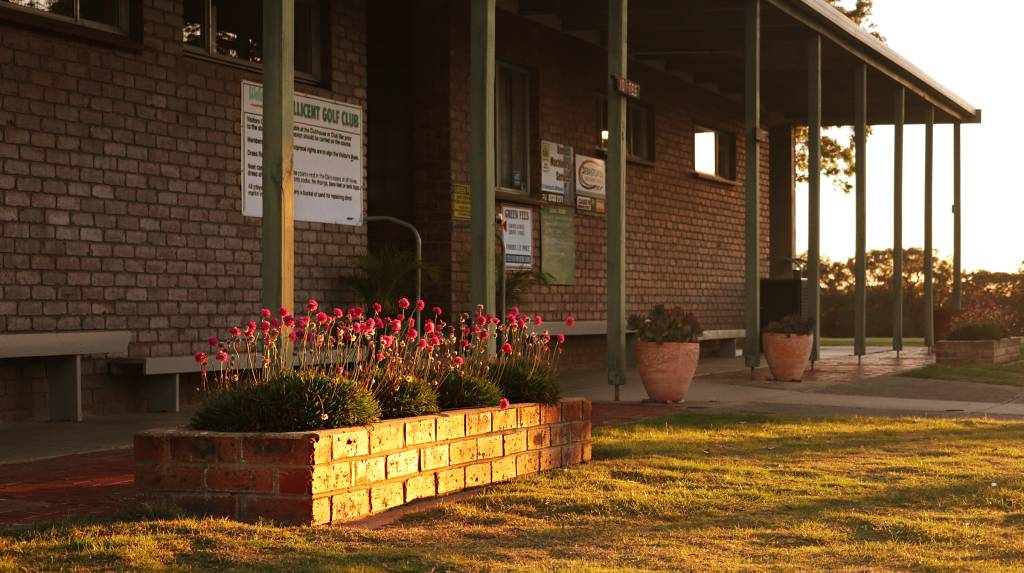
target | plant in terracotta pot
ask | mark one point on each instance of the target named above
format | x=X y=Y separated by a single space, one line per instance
x=787 y=346
x=667 y=351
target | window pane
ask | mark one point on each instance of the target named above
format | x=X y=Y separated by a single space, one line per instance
x=103 y=11
x=704 y=160
x=511 y=127
x=59 y=7
x=238 y=28
x=638 y=127
x=193 y=27
x=307 y=37
x=727 y=155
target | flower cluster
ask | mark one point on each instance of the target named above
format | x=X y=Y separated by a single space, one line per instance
x=378 y=351
x=986 y=312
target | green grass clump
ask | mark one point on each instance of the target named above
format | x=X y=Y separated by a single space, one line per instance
x=407 y=397
x=288 y=404
x=521 y=382
x=978 y=331
x=460 y=391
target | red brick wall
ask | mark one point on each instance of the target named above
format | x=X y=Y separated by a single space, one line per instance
x=685 y=234
x=120 y=209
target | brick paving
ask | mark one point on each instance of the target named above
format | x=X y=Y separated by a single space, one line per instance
x=846 y=368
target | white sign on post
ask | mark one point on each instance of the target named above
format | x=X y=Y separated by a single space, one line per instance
x=518 y=237
x=555 y=171
x=328 y=158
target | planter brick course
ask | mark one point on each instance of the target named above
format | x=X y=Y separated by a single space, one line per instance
x=339 y=475
x=977 y=352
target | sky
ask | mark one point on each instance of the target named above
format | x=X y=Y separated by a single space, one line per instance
x=972 y=48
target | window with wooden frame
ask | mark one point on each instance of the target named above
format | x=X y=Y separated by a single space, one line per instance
x=110 y=16
x=512 y=129
x=232 y=31
x=714 y=153
x=639 y=128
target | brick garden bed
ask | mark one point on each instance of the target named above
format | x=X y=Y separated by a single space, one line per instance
x=339 y=475
x=977 y=352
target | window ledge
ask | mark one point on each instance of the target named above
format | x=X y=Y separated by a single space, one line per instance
x=193 y=52
x=43 y=23
x=514 y=197
x=715 y=179
x=602 y=152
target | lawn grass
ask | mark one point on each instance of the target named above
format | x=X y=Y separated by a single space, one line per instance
x=685 y=493
x=1011 y=374
x=887 y=342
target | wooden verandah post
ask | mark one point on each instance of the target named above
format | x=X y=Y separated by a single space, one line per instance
x=752 y=128
x=481 y=159
x=897 y=221
x=616 y=194
x=860 y=269
x=277 y=244
x=929 y=291
x=814 y=189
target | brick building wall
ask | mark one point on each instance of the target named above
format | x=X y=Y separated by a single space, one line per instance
x=120 y=204
x=685 y=234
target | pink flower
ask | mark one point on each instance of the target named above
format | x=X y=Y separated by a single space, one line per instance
x=283 y=312
x=380 y=357
x=481 y=319
x=236 y=332
x=377 y=321
x=561 y=338
x=377 y=307
x=222 y=356
x=386 y=341
x=514 y=311
x=570 y=321
x=356 y=311
x=459 y=361
x=436 y=310
x=411 y=333
x=537 y=320
x=289 y=321
x=412 y=322
x=264 y=326
x=420 y=305
x=428 y=327
x=201 y=358
x=506 y=348
x=503 y=403
x=322 y=317
x=275 y=322
x=294 y=335
x=396 y=325
x=403 y=303
x=494 y=320
x=465 y=342
x=338 y=312
x=422 y=343
x=302 y=321
x=312 y=305
x=213 y=341
x=435 y=341
x=265 y=313
x=484 y=335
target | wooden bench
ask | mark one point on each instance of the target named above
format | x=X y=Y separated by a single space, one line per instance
x=728 y=337
x=64 y=351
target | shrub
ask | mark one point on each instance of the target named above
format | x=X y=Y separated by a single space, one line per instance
x=791 y=325
x=666 y=325
x=459 y=390
x=522 y=381
x=978 y=331
x=405 y=397
x=289 y=403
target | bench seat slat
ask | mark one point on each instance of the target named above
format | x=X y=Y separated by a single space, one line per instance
x=31 y=345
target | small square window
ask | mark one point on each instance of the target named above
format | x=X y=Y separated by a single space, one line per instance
x=639 y=129
x=109 y=15
x=714 y=153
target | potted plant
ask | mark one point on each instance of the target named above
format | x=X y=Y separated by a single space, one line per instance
x=667 y=351
x=787 y=346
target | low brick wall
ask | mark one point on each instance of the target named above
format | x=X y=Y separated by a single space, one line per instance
x=968 y=352
x=339 y=475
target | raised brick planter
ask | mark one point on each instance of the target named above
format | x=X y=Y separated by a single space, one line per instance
x=339 y=475
x=968 y=352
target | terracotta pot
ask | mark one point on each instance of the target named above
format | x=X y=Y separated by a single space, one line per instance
x=667 y=369
x=787 y=355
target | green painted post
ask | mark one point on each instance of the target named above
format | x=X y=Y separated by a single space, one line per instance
x=814 y=189
x=929 y=290
x=277 y=244
x=616 y=194
x=957 y=262
x=481 y=158
x=752 y=125
x=860 y=270
x=897 y=221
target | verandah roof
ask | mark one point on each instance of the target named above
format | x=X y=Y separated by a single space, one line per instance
x=702 y=42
